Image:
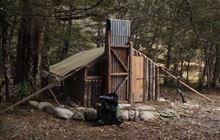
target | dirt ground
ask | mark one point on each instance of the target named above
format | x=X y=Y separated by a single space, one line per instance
x=198 y=120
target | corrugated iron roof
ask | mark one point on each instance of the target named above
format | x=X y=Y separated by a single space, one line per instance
x=78 y=60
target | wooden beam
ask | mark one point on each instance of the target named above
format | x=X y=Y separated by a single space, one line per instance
x=119 y=74
x=120 y=46
x=94 y=78
x=146 y=80
x=120 y=61
x=184 y=84
x=157 y=83
x=51 y=92
x=121 y=84
x=109 y=57
x=131 y=80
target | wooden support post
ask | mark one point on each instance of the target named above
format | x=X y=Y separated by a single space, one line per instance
x=153 y=82
x=108 y=49
x=150 y=93
x=157 y=83
x=51 y=92
x=147 y=80
x=131 y=80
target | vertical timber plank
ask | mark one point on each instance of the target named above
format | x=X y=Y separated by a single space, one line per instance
x=153 y=81
x=146 y=80
x=131 y=80
x=85 y=88
x=109 y=60
x=150 y=80
x=157 y=83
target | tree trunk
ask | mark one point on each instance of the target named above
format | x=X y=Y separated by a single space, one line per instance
x=66 y=41
x=187 y=69
x=24 y=45
x=28 y=49
x=100 y=41
x=206 y=77
x=6 y=60
x=36 y=38
x=216 y=74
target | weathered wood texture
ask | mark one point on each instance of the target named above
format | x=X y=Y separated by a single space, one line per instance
x=145 y=78
x=138 y=78
x=118 y=52
x=74 y=86
x=93 y=90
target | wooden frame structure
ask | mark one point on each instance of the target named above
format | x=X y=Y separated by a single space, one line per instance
x=118 y=52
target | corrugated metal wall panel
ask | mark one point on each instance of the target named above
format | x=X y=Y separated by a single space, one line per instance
x=120 y=31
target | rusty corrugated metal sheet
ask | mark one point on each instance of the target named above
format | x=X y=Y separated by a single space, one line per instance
x=120 y=31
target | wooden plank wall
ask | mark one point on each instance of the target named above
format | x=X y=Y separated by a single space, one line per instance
x=93 y=91
x=151 y=78
x=118 y=54
x=138 y=78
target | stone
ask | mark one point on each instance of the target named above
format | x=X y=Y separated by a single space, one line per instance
x=168 y=113
x=73 y=104
x=80 y=108
x=145 y=108
x=90 y=114
x=190 y=105
x=161 y=99
x=124 y=106
x=214 y=117
x=123 y=114
x=133 y=115
x=46 y=107
x=149 y=115
x=63 y=113
x=217 y=109
x=172 y=104
x=33 y=103
x=44 y=74
x=79 y=115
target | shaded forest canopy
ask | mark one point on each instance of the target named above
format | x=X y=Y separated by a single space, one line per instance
x=182 y=35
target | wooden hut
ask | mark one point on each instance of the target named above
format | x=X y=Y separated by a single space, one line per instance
x=115 y=68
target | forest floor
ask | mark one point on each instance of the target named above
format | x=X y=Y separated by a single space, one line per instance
x=197 y=119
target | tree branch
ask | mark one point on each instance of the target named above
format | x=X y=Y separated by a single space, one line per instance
x=76 y=13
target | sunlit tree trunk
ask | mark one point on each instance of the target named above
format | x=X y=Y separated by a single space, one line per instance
x=216 y=74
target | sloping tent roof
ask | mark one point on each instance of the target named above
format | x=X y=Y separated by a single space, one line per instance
x=78 y=60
